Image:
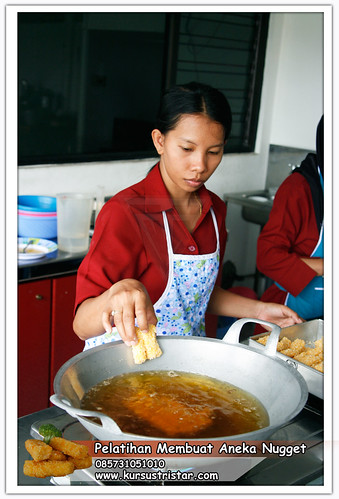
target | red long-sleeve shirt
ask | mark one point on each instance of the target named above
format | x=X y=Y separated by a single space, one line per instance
x=290 y=233
x=129 y=238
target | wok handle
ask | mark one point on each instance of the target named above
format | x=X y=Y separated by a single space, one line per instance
x=106 y=422
x=233 y=334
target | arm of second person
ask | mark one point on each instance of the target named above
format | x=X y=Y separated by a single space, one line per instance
x=316 y=264
x=226 y=303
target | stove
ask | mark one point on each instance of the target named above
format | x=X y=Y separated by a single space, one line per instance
x=299 y=469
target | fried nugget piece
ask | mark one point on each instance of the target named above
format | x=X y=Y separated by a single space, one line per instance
x=68 y=447
x=283 y=344
x=319 y=343
x=38 y=449
x=288 y=352
x=301 y=356
x=147 y=347
x=152 y=347
x=43 y=469
x=315 y=352
x=139 y=350
x=319 y=346
x=307 y=358
x=316 y=359
x=318 y=352
x=57 y=455
x=319 y=367
x=297 y=346
x=81 y=463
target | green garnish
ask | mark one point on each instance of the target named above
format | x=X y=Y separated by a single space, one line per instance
x=49 y=431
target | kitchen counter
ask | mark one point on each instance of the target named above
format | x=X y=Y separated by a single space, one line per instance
x=298 y=470
x=52 y=265
x=256 y=206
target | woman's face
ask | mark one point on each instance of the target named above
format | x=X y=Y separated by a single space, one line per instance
x=190 y=153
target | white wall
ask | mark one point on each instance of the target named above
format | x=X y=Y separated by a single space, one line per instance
x=292 y=80
x=291 y=37
x=298 y=100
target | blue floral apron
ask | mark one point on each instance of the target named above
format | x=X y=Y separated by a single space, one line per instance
x=191 y=278
x=181 y=308
x=309 y=304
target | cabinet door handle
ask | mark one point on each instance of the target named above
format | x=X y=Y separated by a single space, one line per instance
x=38 y=297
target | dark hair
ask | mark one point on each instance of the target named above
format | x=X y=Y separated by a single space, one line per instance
x=320 y=145
x=193 y=98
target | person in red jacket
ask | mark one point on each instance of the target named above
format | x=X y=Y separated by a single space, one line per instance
x=290 y=246
x=156 y=248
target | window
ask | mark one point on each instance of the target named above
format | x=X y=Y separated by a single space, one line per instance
x=90 y=83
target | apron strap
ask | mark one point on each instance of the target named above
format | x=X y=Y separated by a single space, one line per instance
x=168 y=234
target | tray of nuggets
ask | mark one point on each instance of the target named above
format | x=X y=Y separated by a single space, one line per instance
x=60 y=457
x=304 y=343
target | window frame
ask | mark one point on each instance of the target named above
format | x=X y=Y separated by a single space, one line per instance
x=168 y=78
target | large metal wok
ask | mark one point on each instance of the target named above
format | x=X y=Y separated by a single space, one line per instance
x=276 y=383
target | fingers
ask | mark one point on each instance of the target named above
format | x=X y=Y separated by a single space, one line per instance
x=278 y=314
x=125 y=324
x=106 y=321
x=145 y=315
x=292 y=315
x=129 y=303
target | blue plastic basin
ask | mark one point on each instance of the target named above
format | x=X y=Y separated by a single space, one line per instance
x=37 y=203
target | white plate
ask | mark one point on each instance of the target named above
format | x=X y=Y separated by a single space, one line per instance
x=38 y=248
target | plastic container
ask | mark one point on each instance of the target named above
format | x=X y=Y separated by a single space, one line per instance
x=37 y=204
x=74 y=217
x=37 y=217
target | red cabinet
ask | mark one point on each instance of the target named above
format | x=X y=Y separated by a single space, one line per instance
x=34 y=308
x=64 y=342
x=45 y=338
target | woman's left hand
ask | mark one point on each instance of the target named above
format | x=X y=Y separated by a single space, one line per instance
x=278 y=314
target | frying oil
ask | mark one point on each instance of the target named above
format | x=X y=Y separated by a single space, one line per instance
x=174 y=404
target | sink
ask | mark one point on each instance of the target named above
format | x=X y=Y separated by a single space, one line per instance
x=256 y=205
x=255 y=214
x=261 y=199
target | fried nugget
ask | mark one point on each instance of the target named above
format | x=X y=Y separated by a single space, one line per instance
x=152 y=347
x=263 y=339
x=319 y=347
x=315 y=352
x=319 y=367
x=147 y=347
x=297 y=346
x=139 y=350
x=38 y=449
x=319 y=343
x=288 y=352
x=309 y=359
x=283 y=344
x=43 y=469
x=68 y=447
x=57 y=455
x=81 y=463
x=301 y=356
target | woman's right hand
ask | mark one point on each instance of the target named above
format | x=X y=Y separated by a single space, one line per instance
x=129 y=300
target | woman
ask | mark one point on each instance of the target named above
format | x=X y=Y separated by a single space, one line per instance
x=155 y=253
x=290 y=246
